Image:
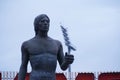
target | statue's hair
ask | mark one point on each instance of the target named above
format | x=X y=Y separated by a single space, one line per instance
x=36 y=22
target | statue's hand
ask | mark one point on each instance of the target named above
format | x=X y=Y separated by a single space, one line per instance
x=69 y=58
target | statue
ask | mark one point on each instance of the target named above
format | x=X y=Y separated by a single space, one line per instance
x=43 y=53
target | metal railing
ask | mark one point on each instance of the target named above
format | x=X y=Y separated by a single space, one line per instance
x=10 y=75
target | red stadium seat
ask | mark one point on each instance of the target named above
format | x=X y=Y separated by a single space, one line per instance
x=60 y=76
x=85 y=76
x=109 y=76
x=26 y=78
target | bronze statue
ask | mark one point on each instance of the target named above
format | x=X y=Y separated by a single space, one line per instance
x=43 y=53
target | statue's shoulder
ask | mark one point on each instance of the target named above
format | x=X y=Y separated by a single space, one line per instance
x=27 y=42
x=56 y=41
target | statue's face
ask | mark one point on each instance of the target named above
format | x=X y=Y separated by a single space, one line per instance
x=43 y=24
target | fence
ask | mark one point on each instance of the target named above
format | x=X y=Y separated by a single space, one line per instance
x=10 y=75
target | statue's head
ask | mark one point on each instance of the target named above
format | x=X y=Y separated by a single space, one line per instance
x=41 y=23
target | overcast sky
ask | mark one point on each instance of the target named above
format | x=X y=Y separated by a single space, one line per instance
x=93 y=27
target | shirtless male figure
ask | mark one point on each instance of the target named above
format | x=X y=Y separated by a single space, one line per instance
x=43 y=53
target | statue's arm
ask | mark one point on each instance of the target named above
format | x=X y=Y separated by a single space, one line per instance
x=24 y=63
x=64 y=61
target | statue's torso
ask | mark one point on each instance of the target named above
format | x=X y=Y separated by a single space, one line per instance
x=43 y=66
x=43 y=59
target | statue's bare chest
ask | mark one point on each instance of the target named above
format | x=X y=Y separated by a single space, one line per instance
x=42 y=46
